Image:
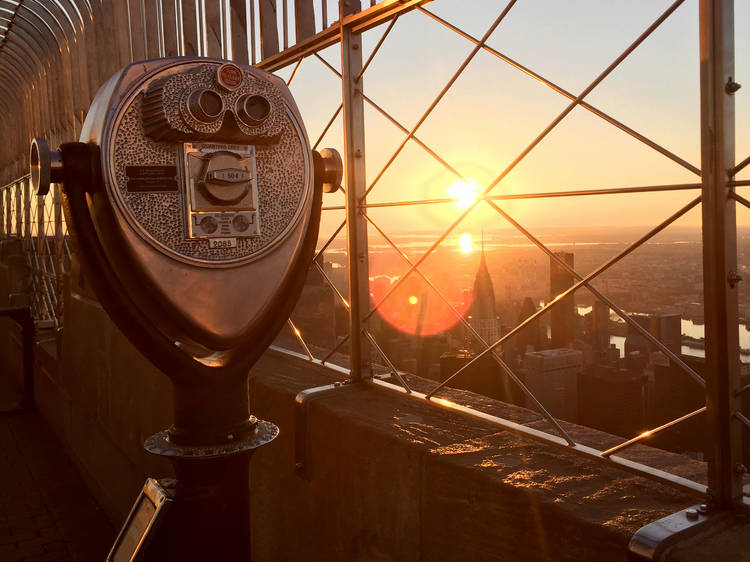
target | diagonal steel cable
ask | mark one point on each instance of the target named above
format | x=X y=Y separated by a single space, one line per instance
x=621 y=313
x=330 y=240
x=380 y=351
x=559 y=118
x=335 y=349
x=535 y=142
x=632 y=247
x=504 y=366
x=300 y=339
x=611 y=120
x=651 y=432
x=740 y=416
x=328 y=125
x=294 y=71
x=538 y=195
x=383 y=37
x=739 y=198
x=442 y=93
x=397 y=124
x=734 y=171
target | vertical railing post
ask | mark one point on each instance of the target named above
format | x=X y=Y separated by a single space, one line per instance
x=26 y=215
x=356 y=185
x=57 y=201
x=41 y=234
x=8 y=211
x=3 y=230
x=720 y=251
x=19 y=210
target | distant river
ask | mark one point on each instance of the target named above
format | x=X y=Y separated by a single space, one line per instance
x=689 y=328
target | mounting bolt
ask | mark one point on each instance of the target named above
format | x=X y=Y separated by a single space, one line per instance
x=733 y=278
x=691 y=513
x=703 y=508
x=731 y=86
x=740 y=468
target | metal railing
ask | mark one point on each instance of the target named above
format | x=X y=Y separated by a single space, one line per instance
x=38 y=222
x=81 y=44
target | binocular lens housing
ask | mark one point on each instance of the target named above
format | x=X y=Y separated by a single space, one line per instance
x=252 y=109
x=205 y=105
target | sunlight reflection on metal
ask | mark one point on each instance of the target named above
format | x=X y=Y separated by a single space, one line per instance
x=300 y=339
x=650 y=432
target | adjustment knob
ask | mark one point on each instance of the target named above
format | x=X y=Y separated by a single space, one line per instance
x=45 y=166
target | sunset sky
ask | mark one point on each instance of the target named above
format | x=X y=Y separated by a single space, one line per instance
x=494 y=111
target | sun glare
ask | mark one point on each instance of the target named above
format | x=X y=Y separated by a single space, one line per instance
x=464 y=192
x=413 y=300
x=465 y=243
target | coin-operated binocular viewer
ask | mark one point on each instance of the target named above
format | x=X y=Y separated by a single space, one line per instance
x=193 y=199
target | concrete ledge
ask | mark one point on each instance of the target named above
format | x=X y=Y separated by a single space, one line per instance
x=394 y=479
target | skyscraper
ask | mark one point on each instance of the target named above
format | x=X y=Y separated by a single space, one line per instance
x=483 y=314
x=562 y=315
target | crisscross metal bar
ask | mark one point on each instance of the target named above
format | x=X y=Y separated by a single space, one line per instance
x=743 y=418
x=440 y=96
x=388 y=362
x=331 y=238
x=376 y=49
x=560 y=90
x=367 y=333
x=294 y=71
x=396 y=123
x=533 y=144
x=651 y=432
x=299 y=337
x=504 y=366
x=621 y=313
x=541 y=195
x=739 y=198
x=741 y=166
x=328 y=126
x=632 y=247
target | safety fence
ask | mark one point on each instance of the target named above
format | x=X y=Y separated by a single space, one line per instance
x=327 y=52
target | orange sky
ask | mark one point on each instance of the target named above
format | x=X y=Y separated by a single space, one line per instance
x=494 y=111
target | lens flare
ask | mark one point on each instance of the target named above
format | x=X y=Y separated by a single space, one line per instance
x=464 y=192
x=465 y=243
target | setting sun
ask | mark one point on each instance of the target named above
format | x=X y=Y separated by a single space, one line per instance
x=465 y=243
x=464 y=192
x=413 y=300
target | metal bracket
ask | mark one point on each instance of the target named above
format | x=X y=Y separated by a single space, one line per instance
x=652 y=541
x=301 y=437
